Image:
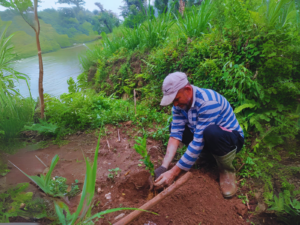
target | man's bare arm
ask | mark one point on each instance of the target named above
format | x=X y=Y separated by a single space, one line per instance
x=168 y=177
x=171 y=151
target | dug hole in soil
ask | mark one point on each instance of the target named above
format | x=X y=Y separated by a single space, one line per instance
x=199 y=201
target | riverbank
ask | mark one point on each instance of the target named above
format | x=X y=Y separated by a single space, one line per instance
x=30 y=50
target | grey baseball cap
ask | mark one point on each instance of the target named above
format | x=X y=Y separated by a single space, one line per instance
x=171 y=85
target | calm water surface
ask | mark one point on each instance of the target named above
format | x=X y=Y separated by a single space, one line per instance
x=59 y=66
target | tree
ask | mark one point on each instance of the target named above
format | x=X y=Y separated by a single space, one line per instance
x=106 y=17
x=161 y=5
x=77 y=3
x=134 y=12
x=181 y=7
x=28 y=11
x=132 y=7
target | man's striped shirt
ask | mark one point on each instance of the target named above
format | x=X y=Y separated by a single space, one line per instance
x=208 y=107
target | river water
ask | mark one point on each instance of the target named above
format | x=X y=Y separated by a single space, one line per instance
x=59 y=66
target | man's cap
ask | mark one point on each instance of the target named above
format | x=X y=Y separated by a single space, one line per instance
x=171 y=85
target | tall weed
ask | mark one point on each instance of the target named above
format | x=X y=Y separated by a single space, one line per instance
x=196 y=21
x=15 y=112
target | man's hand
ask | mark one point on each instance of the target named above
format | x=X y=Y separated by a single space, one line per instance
x=167 y=178
x=160 y=170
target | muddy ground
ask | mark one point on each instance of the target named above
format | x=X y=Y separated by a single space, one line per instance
x=199 y=201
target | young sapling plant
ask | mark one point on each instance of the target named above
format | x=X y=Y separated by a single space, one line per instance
x=56 y=186
x=113 y=173
x=142 y=150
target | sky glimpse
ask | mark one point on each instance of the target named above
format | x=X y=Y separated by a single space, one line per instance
x=112 y=5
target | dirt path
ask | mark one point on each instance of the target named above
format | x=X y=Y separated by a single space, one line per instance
x=198 y=202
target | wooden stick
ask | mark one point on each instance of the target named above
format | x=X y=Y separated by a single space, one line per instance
x=134 y=95
x=22 y=172
x=240 y=168
x=247 y=201
x=41 y=161
x=119 y=138
x=108 y=144
x=177 y=184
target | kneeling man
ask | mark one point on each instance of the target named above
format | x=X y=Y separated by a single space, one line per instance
x=204 y=121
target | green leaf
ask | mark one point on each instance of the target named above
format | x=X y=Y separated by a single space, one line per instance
x=53 y=164
x=272 y=54
x=244 y=106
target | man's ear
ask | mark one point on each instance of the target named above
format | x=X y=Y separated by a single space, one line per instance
x=188 y=87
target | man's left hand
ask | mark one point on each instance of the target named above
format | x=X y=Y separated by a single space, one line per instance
x=165 y=179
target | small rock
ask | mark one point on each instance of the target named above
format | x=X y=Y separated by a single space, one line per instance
x=119 y=216
x=261 y=207
x=99 y=190
x=127 y=173
x=241 y=209
x=22 y=205
x=108 y=196
x=149 y=142
x=128 y=123
x=150 y=223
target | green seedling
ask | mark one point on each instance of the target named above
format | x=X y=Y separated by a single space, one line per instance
x=83 y=212
x=114 y=172
x=142 y=150
x=44 y=181
x=55 y=187
x=16 y=202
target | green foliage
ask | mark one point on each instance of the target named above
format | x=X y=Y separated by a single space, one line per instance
x=77 y=3
x=43 y=128
x=196 y=21
x=15 y=111
x=147 y=35
x=55 y=187
x=74 y=190
x=58 y=186
x=286 y=207
x=8 y=75
x=142 y=150
x=83 y=212
x=15 y=202
x=161 y=5
x=113 y=173
x=134 y=12
x=44 y=181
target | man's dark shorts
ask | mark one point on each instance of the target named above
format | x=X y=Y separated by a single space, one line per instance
x=217 y=140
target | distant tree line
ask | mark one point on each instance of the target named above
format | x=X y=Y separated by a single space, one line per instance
x=134 y=12
x=74 y=20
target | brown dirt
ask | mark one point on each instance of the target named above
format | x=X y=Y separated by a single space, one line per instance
x=198 y=201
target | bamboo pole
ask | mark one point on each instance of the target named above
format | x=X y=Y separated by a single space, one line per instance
x=177 y=184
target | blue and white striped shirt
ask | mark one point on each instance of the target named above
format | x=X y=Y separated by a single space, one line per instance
x=208 y=107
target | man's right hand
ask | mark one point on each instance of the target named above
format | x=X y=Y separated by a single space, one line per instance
x=160 y=170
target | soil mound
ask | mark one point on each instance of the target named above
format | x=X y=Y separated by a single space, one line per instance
x=136 y=187
x=199 y=201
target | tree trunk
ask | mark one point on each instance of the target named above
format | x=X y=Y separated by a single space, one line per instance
x=41 y=74
x=181 y=7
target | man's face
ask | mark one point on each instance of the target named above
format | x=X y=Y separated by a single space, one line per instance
x=184 y=98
